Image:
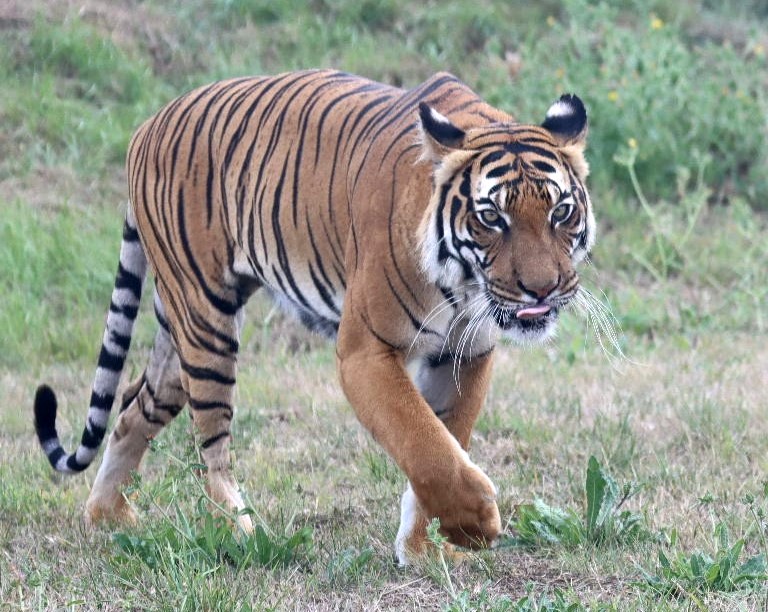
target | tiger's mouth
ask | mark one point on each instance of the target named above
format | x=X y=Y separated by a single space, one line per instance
x=526 y=319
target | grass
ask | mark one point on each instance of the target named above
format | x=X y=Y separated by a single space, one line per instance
x=678 y=149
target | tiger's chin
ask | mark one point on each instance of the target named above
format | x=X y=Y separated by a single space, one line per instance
x=526 y=330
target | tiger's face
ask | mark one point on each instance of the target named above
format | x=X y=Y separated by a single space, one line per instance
x=510 y=217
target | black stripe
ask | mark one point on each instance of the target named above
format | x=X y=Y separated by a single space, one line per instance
x=173 y=409
x=543 y=166
x=498 y=171
x=128 y=310
x=130 y=234
x=162 y=320
x=121 y=340
x=149 y=416
x=222 y=305
x=128 y=399
x=524 y=147
x=456 y=206
x=213 y=439
x=92 y=435
x=56 y=454
x=329 y=107
x=379 y=337
x=209 y=405
x=414 y=321
x=110 y=361
x=282 y=254
x=326 y=282
x=323 y=292
x=74 y=465
x=201 y=373
x=103 y=402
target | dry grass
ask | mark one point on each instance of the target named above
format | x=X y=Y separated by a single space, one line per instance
x=684 y=422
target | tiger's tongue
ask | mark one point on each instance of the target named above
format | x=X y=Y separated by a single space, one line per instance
x=532 y=312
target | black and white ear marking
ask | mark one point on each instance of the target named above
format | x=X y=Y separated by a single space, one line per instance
x=438 y=127
x=567 y=119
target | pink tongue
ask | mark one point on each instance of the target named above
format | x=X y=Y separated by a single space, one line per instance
x=532 y=312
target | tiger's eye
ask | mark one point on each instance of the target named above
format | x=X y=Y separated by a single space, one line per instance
x=489 y=217
x=561 y=213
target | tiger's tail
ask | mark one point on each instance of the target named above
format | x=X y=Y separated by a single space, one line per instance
x=123 y=309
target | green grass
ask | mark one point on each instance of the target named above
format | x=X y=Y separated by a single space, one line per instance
x=678 y=149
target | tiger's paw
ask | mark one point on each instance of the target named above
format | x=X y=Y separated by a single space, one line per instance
x=116 y=510
x=413 y=543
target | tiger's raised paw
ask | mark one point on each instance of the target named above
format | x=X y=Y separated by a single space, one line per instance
x=413 y=545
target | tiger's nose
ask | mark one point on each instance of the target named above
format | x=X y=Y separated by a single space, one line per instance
x=539 y=289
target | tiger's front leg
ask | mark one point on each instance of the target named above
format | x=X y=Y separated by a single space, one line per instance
x=456 y=393
x=444 y=483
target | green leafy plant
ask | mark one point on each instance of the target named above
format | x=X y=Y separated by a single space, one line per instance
x=679 y=574
x=557 y=601
x=603 y=521
x=671 y=228
x=348 y=565
x=211 y=541
x=201 y=539
x=439 y=542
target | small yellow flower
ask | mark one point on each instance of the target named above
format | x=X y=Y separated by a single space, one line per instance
x=632 y=143
x=560 y=73
x=551 y=21
x=613 y=95
x=656 y=23
x=758 y=50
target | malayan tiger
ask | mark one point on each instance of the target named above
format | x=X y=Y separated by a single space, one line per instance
x=415 y=227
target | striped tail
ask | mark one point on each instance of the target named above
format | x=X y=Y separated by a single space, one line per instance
x=123 y=309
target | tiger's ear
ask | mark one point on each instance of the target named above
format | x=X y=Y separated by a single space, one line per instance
x=439 y=135
x=567 y=121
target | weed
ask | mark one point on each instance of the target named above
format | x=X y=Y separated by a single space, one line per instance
x=603 y=522
x=202 y=541
x=439 y=542
x=557 y=601
x=348 y=565
x=670 y=233
x=693 y=575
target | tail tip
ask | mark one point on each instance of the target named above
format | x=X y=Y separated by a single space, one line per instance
x=45 y=410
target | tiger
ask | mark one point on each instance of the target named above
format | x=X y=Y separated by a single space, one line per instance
x=415 y=227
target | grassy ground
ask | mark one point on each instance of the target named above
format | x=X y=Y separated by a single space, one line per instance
x=672 y=517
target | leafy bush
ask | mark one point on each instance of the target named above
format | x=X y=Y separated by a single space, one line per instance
x=644 y=81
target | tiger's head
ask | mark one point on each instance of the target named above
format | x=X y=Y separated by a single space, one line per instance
x=509 y=216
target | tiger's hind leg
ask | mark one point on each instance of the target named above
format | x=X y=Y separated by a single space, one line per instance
x=149 y=403
x=208 y=375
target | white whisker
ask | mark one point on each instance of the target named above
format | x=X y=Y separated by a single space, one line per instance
x=604 y=324
x=435 y=312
